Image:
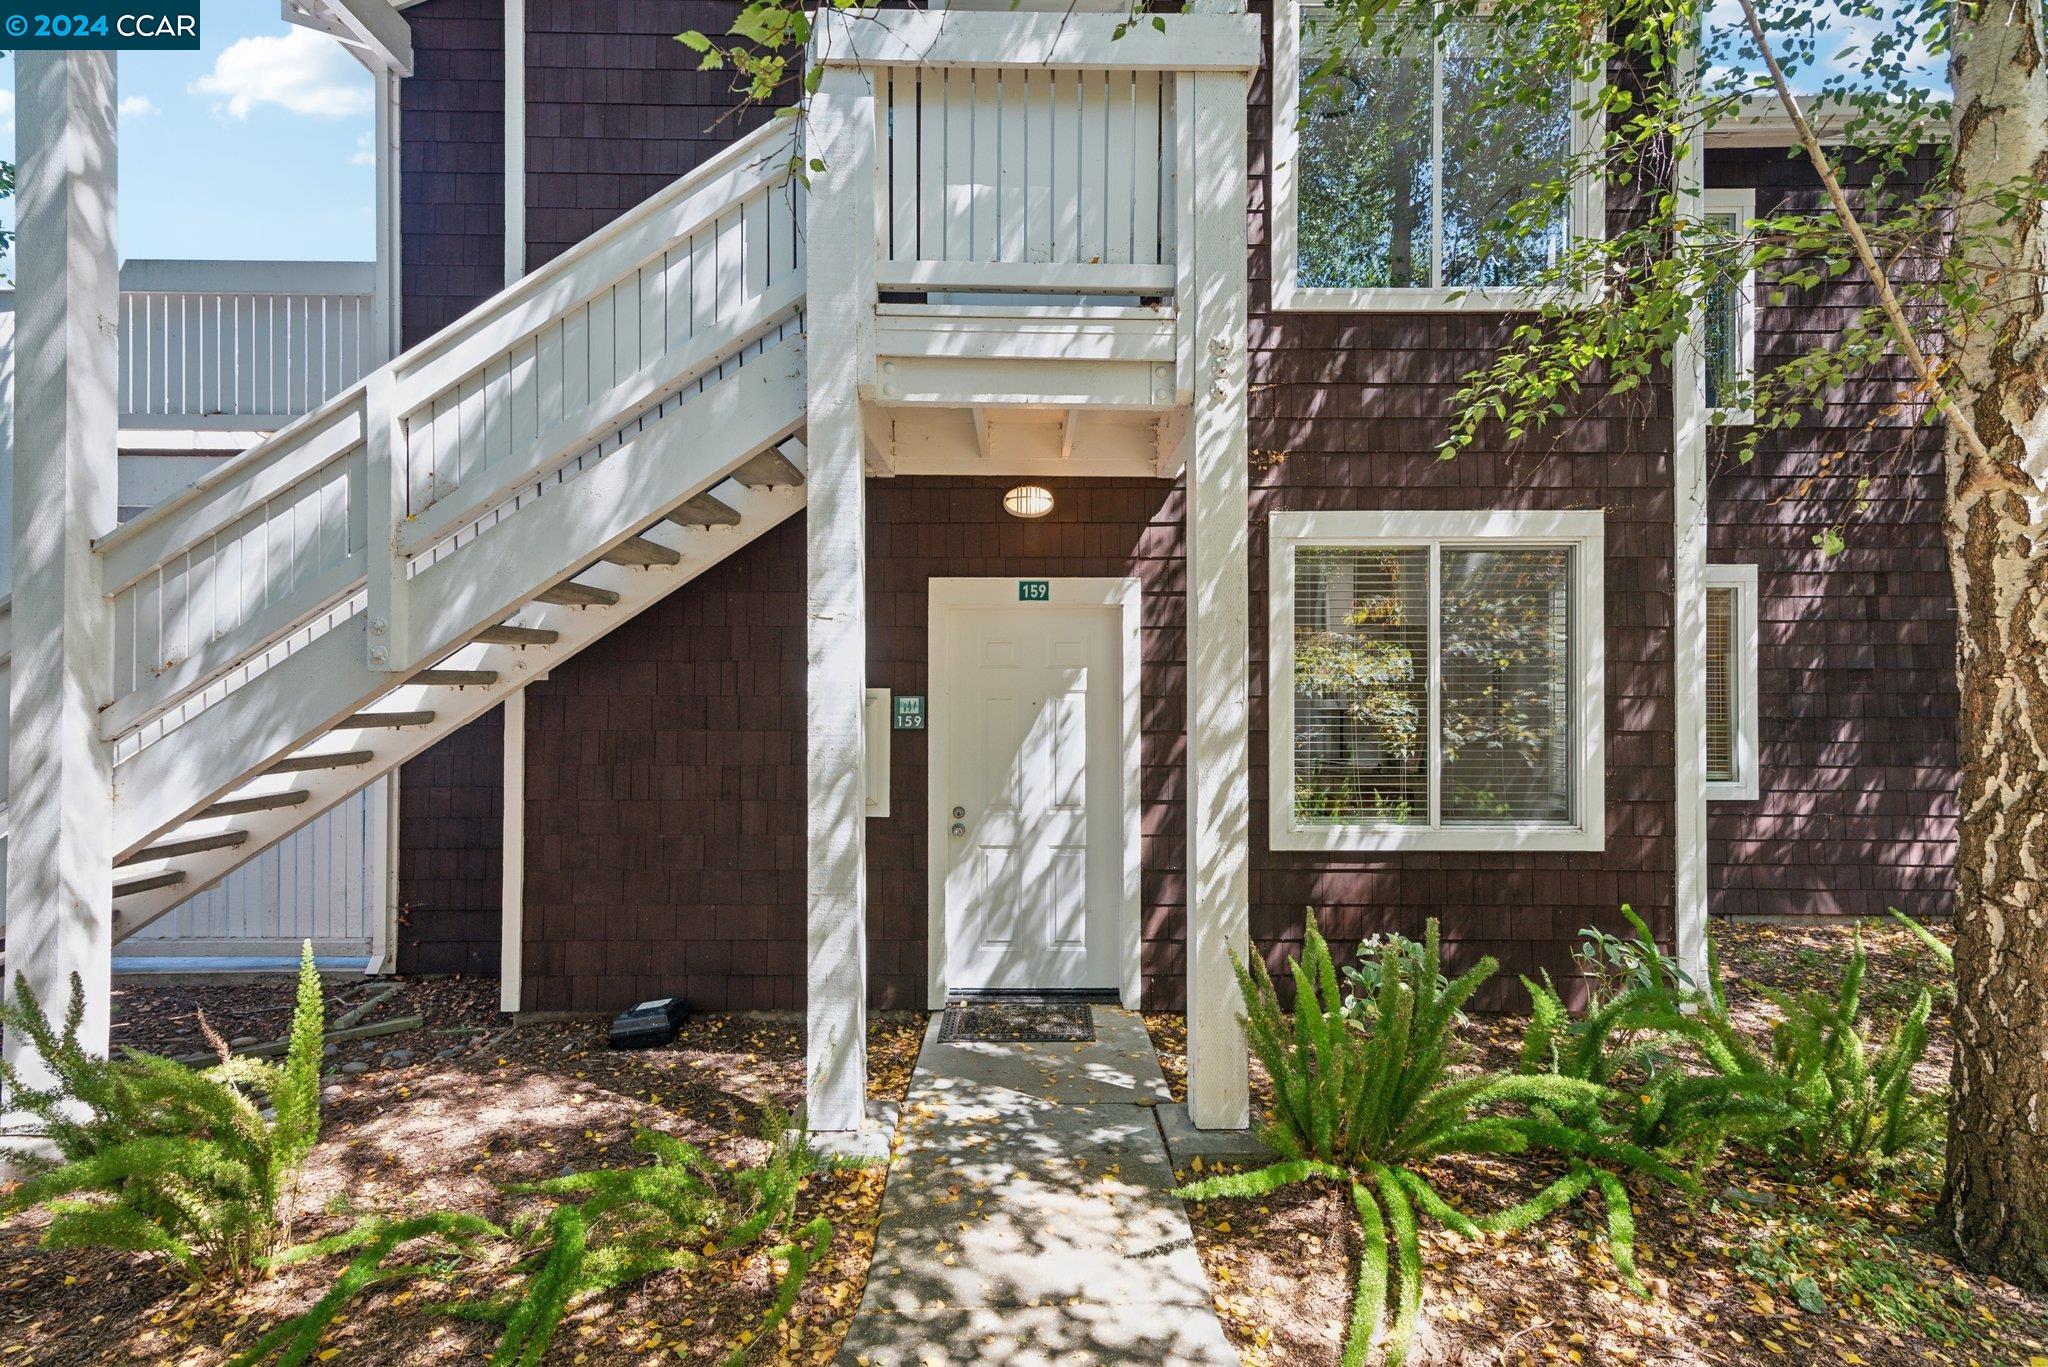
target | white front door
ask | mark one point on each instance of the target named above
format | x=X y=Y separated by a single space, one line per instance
x=1030 y=795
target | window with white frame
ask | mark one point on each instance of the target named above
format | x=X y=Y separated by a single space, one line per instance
x=1730 y=341
x=1731 y=682
x=1436 y=681
x=1390 y=189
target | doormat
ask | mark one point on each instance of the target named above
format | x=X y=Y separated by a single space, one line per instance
x=1016 y=1022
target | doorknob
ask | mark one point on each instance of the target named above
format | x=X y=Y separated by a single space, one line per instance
x=959 y=829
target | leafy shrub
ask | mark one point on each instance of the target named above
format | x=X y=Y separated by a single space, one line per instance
x=1853 y=1097
x=1619 y=964
x=1369 y=1106
x=156 y=1157
x=1671 y=1088
x=1362 y=979
x=606 y=1229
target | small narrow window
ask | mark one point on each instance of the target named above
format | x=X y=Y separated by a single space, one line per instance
x=1730 y=341
x=1731 y=682
x=1393 y=190
x=1436 y=681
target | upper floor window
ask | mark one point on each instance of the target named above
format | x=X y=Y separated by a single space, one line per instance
x=1730 y=309
x=1731 y=682
x=1392 y=190
x=1436 y=681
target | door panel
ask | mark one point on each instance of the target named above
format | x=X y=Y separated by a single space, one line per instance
x=1032 y=880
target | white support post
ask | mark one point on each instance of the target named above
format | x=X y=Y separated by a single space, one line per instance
x=1211 y=119
x=840 y=341
x=386 y=478
x=512 y=873
x=59 y=852
x=515 y=140
x=1689 y=592
x=385 y=302
x=382 y=876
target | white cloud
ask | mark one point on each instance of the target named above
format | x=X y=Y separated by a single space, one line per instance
x=300 y=72
x=139 y=107
x=365 y=153
x=6 y=112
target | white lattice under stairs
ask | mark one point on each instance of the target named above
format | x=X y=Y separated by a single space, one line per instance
x=389 y=567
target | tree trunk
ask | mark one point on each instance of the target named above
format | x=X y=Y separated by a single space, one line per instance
x=1995 y=1204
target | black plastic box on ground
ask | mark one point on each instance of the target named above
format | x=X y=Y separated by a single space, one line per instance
x=649 y=1024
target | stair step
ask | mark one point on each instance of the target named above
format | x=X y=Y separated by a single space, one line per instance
x=638 y=550
x=262 y=802
x=705 y=511
x=170 y=878
x=333 y=759
x=769 y=469
x=455 y=678
x=363 y=721
x=570 y=594
x=506 y=634
x=198 y=844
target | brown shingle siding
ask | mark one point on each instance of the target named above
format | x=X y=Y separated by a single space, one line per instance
x=452 y=163
x=616 y=110
x=1856 y=671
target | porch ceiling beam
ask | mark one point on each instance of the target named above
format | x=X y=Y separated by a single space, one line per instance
x=960 y=382
x=372 y=29
x=929 y=38
x=878 y=435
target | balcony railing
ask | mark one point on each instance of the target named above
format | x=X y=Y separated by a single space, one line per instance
x=1028 y=179
x=238 y=345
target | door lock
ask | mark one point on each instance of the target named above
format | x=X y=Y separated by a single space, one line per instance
x=959 y=812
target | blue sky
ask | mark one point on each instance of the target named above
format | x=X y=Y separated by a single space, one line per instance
x=257 y=146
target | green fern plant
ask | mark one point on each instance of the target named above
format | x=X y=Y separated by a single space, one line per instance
x=152 y=1156
x=1672 y=1088
x=1854 y=1096
x=449 y=1240
x=606 y=1228
x=1371 y=1106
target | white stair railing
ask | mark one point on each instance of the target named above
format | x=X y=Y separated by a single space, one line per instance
x=369 y=521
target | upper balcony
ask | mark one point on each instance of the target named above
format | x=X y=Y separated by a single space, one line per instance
x=1030 y=295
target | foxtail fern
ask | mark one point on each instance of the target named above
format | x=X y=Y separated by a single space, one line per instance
x=606 y=1229
x=152 y=1156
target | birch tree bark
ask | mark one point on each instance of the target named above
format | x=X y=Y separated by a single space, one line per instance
x=1995 y=1204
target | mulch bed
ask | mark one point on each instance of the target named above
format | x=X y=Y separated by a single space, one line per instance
x=443 y=1115
x=1768 y=1267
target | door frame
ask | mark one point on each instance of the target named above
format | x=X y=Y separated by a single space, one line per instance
x=1123 y=596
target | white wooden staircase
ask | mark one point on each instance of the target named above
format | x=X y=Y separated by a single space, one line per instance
x=1028 y=226
x=384 y=570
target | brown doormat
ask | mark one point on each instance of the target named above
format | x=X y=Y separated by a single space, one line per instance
x=1016 y=1022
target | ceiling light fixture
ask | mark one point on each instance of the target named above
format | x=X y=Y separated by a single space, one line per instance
x=1028 y=500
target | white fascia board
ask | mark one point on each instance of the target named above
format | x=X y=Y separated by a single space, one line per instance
x=928 y=38
x=373 y=29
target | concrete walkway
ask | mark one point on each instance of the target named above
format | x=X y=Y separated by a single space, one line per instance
x=1029 y=1216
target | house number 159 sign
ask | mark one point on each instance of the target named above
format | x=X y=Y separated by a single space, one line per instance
x=1034 y=590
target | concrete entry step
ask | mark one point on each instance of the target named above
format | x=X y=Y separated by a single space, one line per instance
x=1030 y=1217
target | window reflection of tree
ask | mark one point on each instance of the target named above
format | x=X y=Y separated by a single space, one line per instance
x=1506 y=636
x=1361 y=686
x=1361 y=683
x=1366 y=167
